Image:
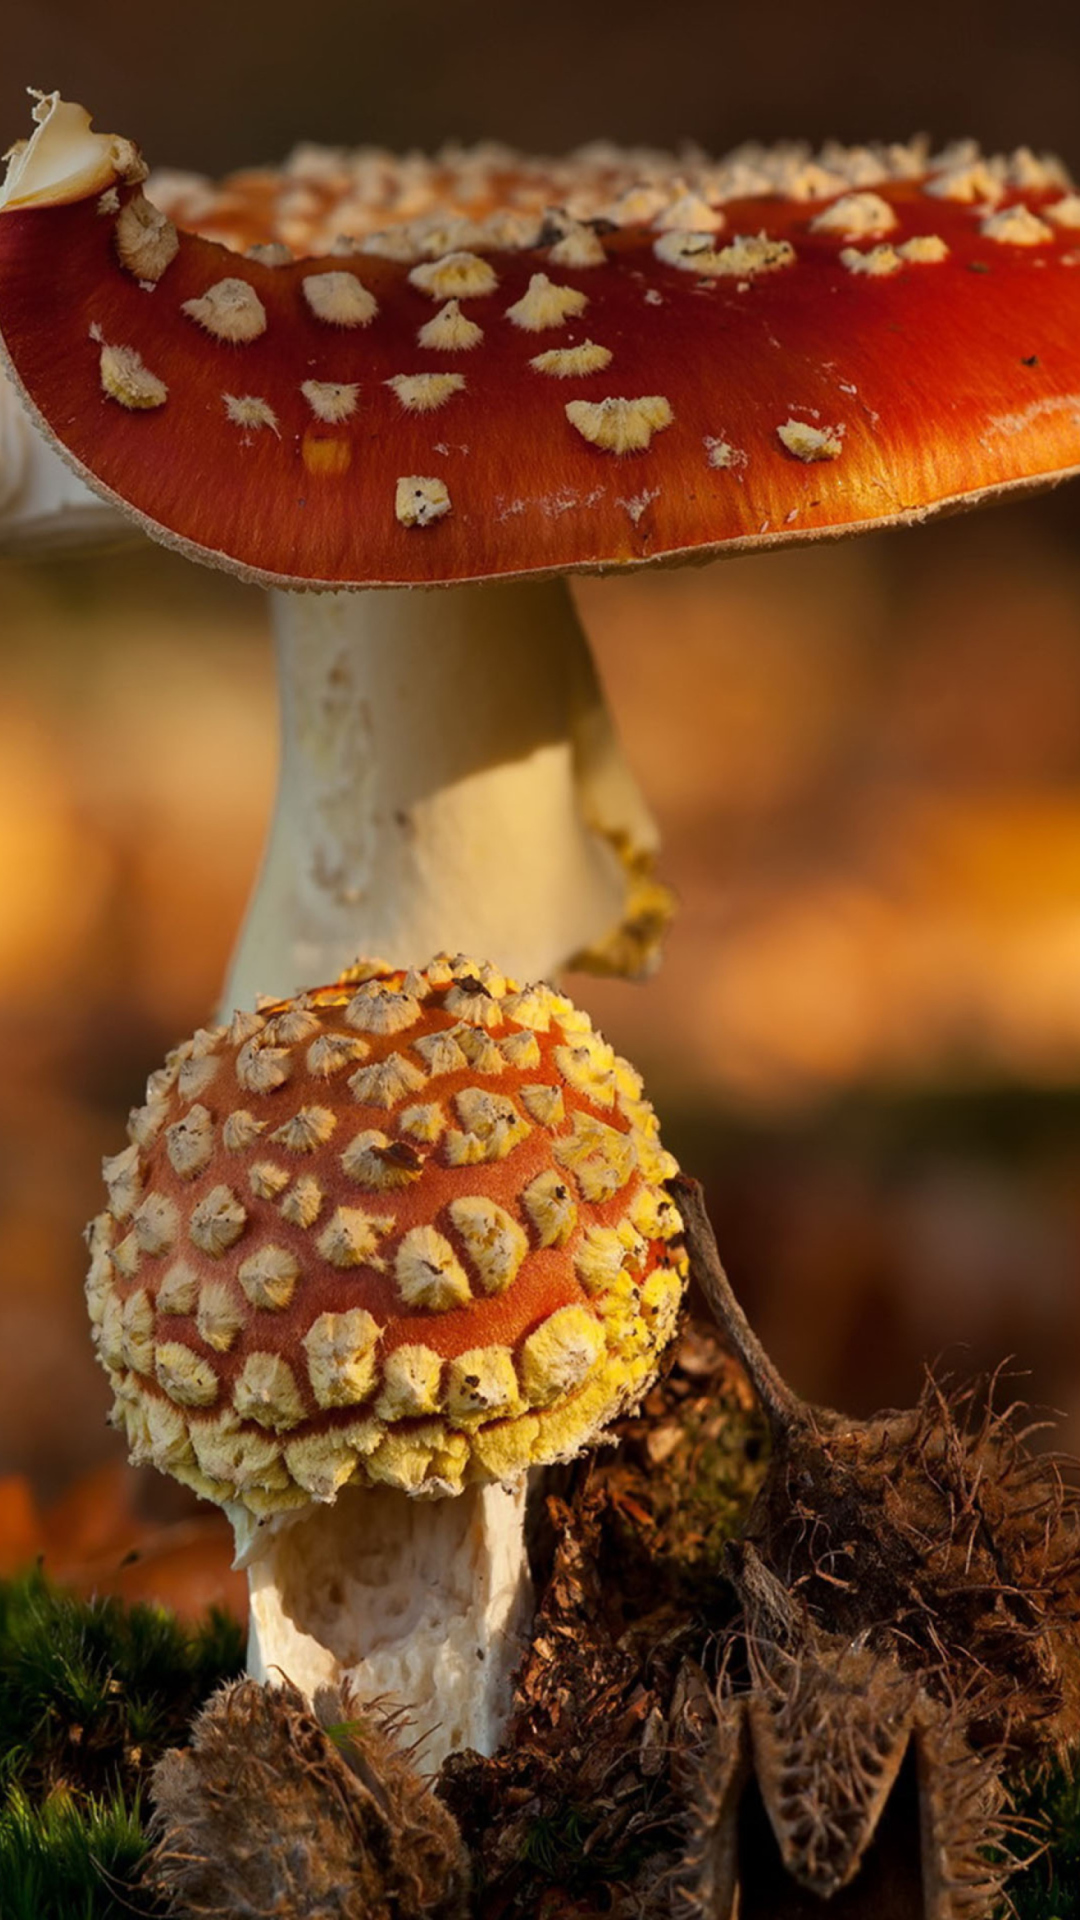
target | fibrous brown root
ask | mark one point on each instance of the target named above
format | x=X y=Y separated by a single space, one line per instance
x=280 y=1808
x=936 y=1533
x=829 y=1768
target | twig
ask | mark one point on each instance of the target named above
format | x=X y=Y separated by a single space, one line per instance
x=783 y=1409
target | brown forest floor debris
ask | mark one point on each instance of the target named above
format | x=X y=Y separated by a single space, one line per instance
x=583 y=1809
x=830 y=1771
x=279 y=1808
x=938 y=1533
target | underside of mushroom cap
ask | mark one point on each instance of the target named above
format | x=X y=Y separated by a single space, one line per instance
x=713 y=360
x=409 y=1230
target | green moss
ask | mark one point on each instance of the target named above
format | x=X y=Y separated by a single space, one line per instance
x=71 y=1861
x=1050 y=1888
x=557 y=1849
x=91 y=1694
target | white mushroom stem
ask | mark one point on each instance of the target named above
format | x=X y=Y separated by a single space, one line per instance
x=419 y=1603
x=43 y=505
x=450 y=779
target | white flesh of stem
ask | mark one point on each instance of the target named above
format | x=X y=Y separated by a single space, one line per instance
x=420 y=1603
x=450 y=780
x=42 y=503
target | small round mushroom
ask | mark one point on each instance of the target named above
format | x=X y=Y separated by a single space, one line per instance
x=372 y=1254
x=485 y=370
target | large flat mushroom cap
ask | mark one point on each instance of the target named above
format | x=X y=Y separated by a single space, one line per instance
x=720 y=357
x=408 y=1230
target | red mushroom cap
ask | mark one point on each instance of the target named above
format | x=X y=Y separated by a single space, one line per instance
x=767 y=351
x=410 y=1229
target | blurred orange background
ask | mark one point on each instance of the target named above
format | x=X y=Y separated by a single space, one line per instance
x=865 y=760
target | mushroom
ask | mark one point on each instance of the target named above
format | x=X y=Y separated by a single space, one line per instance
x=43 y=505
x=371 y=1255
x=470 y=392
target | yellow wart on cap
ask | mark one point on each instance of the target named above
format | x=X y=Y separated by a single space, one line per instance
x=126 y=378
x=334 y=1051
x=451 y=331
x=460 y=276
x=138 y=1331
x=331 y=401
x=545 y=1104
x=877 y=262
x=411 y=1382
x=387 y=1081
x=123 y=1176
x=491 y=1127
x=520 y=1050
x=372 y=1160
x=309 y=1129
x=186 y=1378
x=156 y=1222
x=1016 y=227
x=551 y=1207
x=195 y=1076
x=424 y=1122
x=231 y=310
x=261 y=1069
x=600 y=1157
x=589 y=1067
x=856 y=216
x=241 y=1130
x=250 y=410
x=266 y=1179
x=146 y=241
x=483 y=1053
x=301 y=1204
x=270 y=253
x=179 y=1289
x=189 y=1142
x=441 y=1051
x=689 y=213
x=811 y=443
x=620 y=425
x=378 y=1009
x=558 y=1357
x=579 y=247
x=217 y=1222
x=220 y=1316
x=924 y=249
x=569 y=363
x=482 y=1383
x=352 y=1236
x=269 y=1277
x=429 y=1273
x=746 y=255
x=545 y=304
x=424 y=392
x=320 y=1464
x=266 y=1391
x=339 y=299
x=419 y=500
x=340 y=1351
x=494 y=1242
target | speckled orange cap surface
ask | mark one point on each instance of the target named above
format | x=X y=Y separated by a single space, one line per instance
x=409 y=1229
x=484 y=366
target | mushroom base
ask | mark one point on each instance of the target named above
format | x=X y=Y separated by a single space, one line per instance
x=418 y=1603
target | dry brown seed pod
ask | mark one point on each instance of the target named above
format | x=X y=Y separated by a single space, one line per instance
x=278 y=1807
x=936 y=1531
x=829 y=1770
